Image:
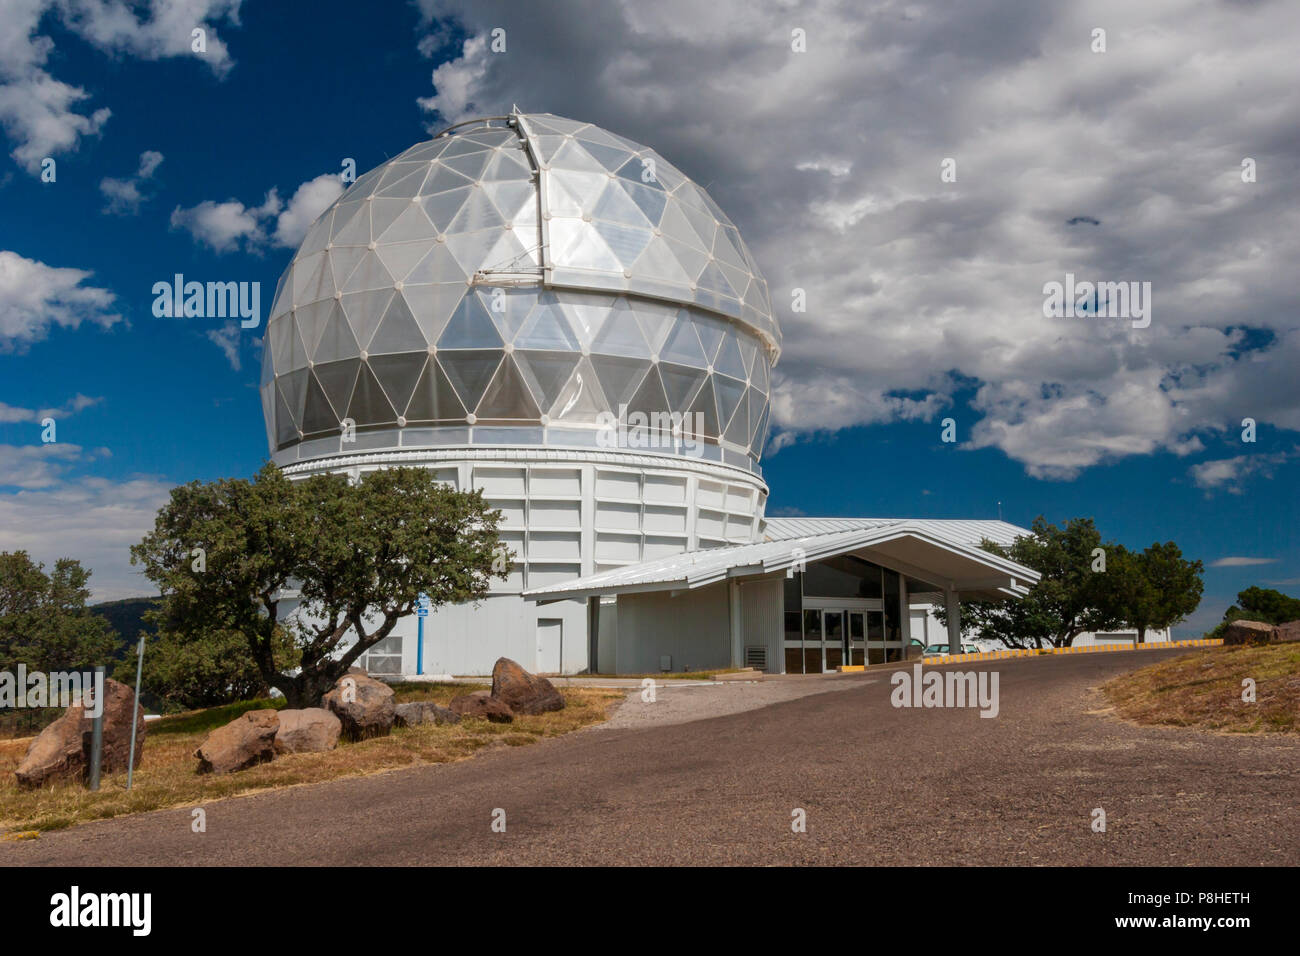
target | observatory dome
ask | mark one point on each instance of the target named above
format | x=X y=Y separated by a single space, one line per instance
x=515 y=281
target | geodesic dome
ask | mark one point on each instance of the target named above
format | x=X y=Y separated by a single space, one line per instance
x=506 y=283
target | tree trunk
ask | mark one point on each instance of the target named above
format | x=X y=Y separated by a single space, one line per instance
x=1142 y=634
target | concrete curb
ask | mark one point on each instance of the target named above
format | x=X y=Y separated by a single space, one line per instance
x=1087 y=649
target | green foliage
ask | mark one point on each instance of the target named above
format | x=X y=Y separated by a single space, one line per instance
x=1258 y=604
x=1152 y=589
x=1083 y=591
x=354 y=556
x=197 y=667
x=44 y=622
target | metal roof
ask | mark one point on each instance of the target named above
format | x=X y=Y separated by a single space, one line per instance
x=945 y=547
x=971 y=532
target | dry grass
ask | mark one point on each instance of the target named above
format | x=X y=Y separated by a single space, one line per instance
x=167 y=776
x=1203 y=690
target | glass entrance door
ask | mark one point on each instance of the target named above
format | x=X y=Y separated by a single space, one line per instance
x=855 y=641
x=833 y=639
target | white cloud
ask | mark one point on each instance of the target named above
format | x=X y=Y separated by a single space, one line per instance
x=35 y=296
x=829 y=162
x=226 y=226
x=454 y=83
x=1238 y=562
x=41 y=114
x=1229 y=474
x=226 y=338
x=305 y=206
x=12 y=414
x=92 y=519
x=124 y=195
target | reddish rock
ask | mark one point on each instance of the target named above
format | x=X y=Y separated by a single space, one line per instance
x=1289 y=631
x=363 y=704
x=62 y=750
x=482 y=704
x=418 y=712
x=311 y=730
x=247 y=740
x=1248 y=632
x=522 y=692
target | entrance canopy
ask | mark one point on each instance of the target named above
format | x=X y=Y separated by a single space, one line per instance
x=943 y=555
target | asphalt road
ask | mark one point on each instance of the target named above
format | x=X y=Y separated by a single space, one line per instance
x=880 y=785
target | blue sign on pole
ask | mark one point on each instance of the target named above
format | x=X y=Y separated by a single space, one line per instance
x=421 y=611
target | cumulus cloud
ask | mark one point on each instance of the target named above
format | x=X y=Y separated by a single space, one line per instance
x=13 y=414
x=92 y=519
x=1230 y=474
x=304 y=207
x=1240 y=562
x=226 y=338
x=226 y=226
x=43 y=116
x=124 y=195
x=35 y=296
x=1122 y=166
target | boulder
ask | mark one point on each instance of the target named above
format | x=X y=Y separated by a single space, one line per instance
x=1287 y=632
x=308 y=731
x=365 y=706
x=62 y=749
x=418 y=712
x=1248 y=632
x=482 y=704
x=247 y=740
x=522 y=692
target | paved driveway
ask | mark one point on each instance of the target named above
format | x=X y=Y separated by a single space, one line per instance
x=880 y=785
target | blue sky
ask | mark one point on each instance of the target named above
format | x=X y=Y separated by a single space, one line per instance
x=924 y=297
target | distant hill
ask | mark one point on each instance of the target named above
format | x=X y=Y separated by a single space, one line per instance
x=126 y=617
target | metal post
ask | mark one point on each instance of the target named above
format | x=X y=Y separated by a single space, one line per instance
x=97 y=734
x=139 y=667
x=952 y=604
x=419 y=645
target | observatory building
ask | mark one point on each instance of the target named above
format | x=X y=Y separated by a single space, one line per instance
x=544 y=310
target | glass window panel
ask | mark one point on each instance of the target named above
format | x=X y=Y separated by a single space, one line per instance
x=577 y=245
x=574 y=155
x=683 y=344
x=432 y=306
x=712 y=280
x=434 y=399
x=680 y=384
x=285 y=429
x=355 y=231
x=338 y=378
x=399 y=258
x=546 y=373
x=659 y=263
x=397 y=331
x=728 y=361
x=470 y=372
x=711 y=332
x=615 y=205
x=469 y=165
x=619 y=377
x=470 y=327
x=546 y=328
x=369 y=274
x=625 y=242
x=438 y=266
x=441 y=208
x=364 y=310
x=704 y=410
x=647 y=199
x=476 y=213
x=729 y=393
x=507 y=397
x=656 y=322
x=398 y=375
x=369 y=405
x=580 y=399
x=410 y=225
x=343 y=260
x=621 y=335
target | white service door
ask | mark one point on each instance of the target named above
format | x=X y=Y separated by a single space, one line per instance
x=550 y=645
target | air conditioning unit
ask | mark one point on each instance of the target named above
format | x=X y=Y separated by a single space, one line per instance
x=756 y=656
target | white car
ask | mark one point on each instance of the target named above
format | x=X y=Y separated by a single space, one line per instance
x=941 y=650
